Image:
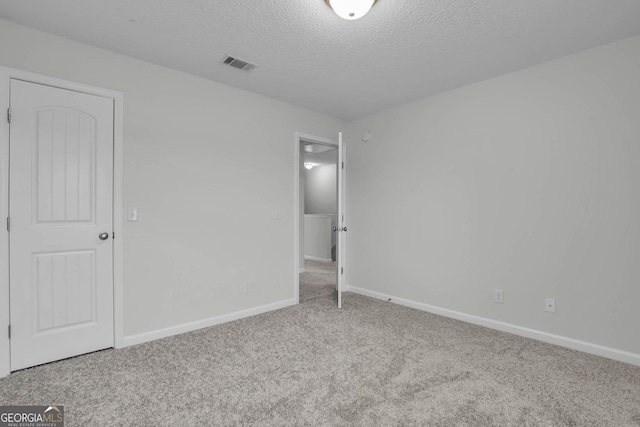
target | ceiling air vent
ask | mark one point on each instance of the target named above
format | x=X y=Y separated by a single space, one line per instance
x=239 y=64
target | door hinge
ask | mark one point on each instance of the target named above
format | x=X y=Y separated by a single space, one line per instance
x=8 y=224
x=342 y=165
x=113 y=235
x=9 y=330
x=9 y=115
x=341 y=270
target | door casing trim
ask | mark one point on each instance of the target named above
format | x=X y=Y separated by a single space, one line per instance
x=6 y=75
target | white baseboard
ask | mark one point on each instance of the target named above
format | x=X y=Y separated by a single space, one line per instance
x=312 y=258
x=204 y=323
x=302 y=270
x=599 y=350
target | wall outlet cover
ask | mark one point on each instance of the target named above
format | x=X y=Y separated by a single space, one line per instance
x=550 y=305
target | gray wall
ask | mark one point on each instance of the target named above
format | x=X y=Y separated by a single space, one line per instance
x=206 y=165
x=320 y=192
x=528 y=183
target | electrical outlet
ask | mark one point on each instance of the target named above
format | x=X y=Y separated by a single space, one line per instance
x=550 y=305
x=498 y=296
x=247 y=286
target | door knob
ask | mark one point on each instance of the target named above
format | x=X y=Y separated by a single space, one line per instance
x=103 y=236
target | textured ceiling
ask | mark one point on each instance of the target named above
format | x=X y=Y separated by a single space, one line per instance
x=401 y=51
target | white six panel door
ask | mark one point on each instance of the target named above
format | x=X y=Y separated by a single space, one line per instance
x=60 y=201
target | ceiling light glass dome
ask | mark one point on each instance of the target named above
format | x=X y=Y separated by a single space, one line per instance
x=351 y=9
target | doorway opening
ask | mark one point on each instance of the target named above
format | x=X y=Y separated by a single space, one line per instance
x=319 y=192
x=319 y=218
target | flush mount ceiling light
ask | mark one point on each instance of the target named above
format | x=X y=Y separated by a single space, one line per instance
x=308 y=165
x=351 y=9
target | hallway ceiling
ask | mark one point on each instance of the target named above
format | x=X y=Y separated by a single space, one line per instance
x=306 y=55
x=320 y=155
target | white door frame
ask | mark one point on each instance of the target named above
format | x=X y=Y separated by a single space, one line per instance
x=6 y=74
x=301 y=137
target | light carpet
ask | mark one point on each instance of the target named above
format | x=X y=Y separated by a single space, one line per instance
x=318 y=280
x=370 y=364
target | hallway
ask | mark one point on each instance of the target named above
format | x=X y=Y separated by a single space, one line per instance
x=318 y=280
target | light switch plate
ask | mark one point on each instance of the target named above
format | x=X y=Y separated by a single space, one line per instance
x=132 y=214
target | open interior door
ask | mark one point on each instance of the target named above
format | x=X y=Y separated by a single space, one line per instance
x=341 y=228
